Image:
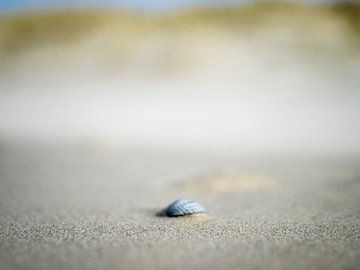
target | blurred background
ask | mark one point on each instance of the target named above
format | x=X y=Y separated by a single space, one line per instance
x=231 y=76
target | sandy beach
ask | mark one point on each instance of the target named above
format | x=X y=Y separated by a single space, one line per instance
x=85 y=206
x=109 y=115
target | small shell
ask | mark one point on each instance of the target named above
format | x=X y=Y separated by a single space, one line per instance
x=183 y=207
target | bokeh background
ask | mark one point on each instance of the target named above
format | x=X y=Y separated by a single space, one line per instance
x=231 y=76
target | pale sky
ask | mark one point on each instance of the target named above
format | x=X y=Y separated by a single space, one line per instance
x=137 y=4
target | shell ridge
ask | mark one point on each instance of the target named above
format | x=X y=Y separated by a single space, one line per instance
x=182 y=207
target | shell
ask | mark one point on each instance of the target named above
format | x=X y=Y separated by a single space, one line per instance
x=183 y=207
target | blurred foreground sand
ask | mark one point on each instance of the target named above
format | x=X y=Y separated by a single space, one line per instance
x=84 y=207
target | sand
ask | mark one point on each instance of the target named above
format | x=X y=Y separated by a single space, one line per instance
x=85 y=206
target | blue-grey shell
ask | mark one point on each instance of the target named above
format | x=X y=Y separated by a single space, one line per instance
x=183 y=207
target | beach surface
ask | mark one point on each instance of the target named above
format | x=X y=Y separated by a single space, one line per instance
x=95 y=206
x=107 y=116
